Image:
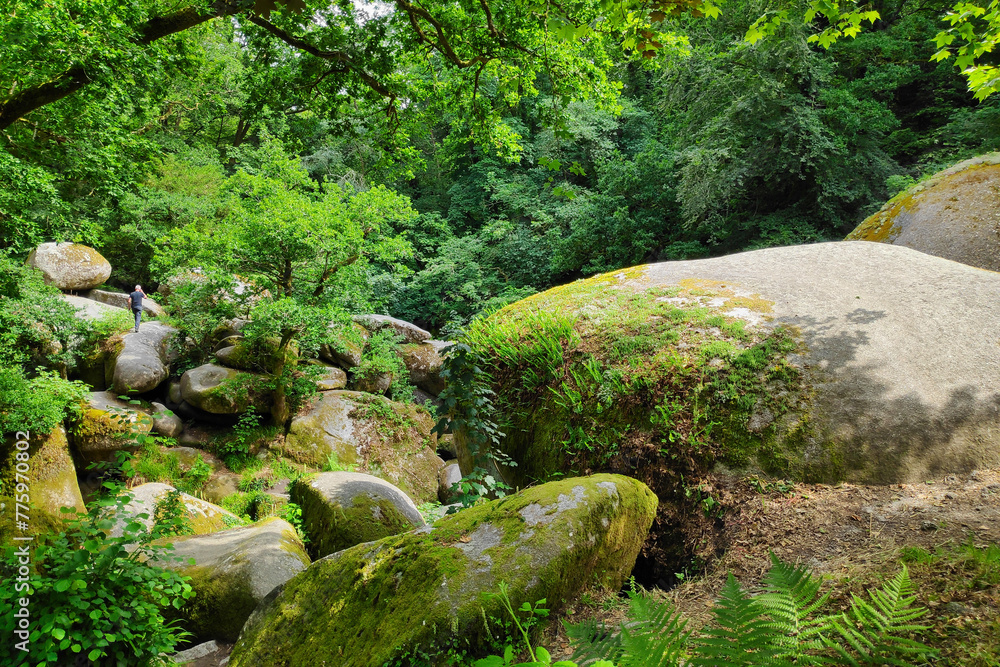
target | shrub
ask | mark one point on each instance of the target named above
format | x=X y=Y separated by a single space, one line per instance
x=98 y=596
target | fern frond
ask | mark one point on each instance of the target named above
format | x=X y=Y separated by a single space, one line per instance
x=791 y=598
x=656 y=635
x=876 y=629
x=740 y=635
x=593 y=641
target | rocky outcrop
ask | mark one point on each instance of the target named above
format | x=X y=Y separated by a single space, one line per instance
x=332 y=378
x=423 y=362
x=220 y=390
x=70 y=266
x=201 y=517
x=51 y=483
x=121 y=300
x=448 y=477
x=954 y=214
x=341 y=509
x=410 y=333
x=234 y=570
x=143 y=361
x=107 y=425
x=424 y=587
x=390 y=440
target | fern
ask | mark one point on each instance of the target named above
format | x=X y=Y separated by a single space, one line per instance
x=790 y=599
x=877 y=633
x=655 y=637
x=742 y=634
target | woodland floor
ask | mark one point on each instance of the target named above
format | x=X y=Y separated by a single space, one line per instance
x=856 y=535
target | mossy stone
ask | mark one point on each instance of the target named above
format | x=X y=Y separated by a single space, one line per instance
x=421 y=590
x=51 y=484
x=233 y=571
x=380 y=437
x=341 y=509
x=107 y=425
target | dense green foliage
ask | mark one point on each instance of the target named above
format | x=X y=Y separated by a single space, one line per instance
x=98 y=595
x=518 y=151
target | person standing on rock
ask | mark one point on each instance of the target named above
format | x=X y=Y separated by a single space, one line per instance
x=135 y=302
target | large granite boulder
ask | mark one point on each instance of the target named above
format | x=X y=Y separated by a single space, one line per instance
x=70 y=266
x=857 y=361
x=120 y=300
x=341 y=509
x=201 y=517
x=220 y=390
x=332 y=378
x=415 y=591
x=955 y=214
x=50 y=478
x=424 y=362
x=410 y=333
x=143 y=360
x=234 y=570
x=387 y=439
x=107 y=425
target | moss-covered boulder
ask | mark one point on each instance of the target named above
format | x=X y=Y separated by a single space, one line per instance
x=834 y=361
x=390 y=440
x=233 y=572
x=954 y=214
x=165 y=422
x=332 y=378
x=70 y=266
x=200 y=517
x=420 y=590
x=423 y=362
x=341 y=509
x=50 y=478
x=222 y=391
x=106 y=425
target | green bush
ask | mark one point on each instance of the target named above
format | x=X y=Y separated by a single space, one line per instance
x=97 y=596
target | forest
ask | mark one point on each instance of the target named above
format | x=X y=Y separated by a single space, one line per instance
x=275 y=171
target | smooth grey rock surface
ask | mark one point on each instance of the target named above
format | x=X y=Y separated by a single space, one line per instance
x=203 y=516
x=411 y=333
x=449 y=476
x=424 y=362
x=234 y=571
x=902 y=350
x=332 y=378
x=70 y=266
x=204 y=387
x=399 y=448
x=165 y=422
x=87 y=309
x=120 y=300
x=143 y=362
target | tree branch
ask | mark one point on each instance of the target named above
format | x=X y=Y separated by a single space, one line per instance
x=73 y=79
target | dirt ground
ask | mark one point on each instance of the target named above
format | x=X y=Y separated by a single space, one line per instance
x=845 y=532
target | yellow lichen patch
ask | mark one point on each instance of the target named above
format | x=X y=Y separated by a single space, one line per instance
x=756 y=303
x=712 y=290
